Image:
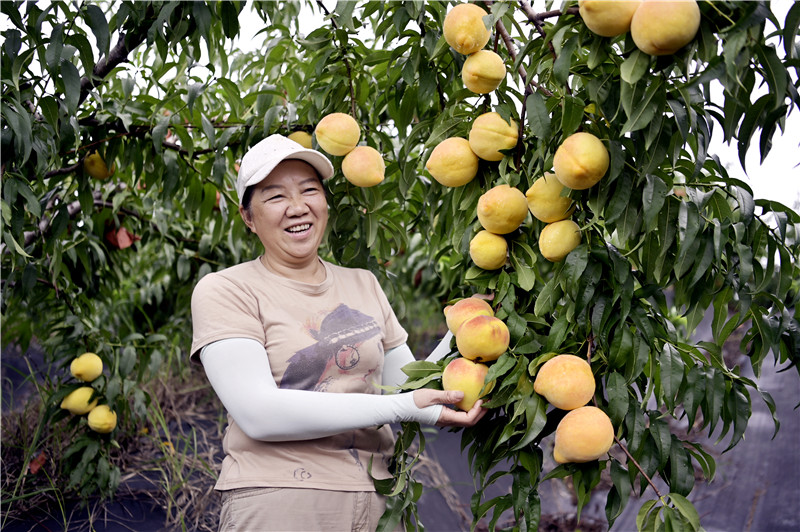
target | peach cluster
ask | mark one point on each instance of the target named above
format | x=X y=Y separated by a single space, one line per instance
x=481 y=338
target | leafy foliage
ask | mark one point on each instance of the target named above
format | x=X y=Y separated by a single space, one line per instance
x=162 y=91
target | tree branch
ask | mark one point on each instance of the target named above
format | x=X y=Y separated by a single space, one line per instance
x=119 y=54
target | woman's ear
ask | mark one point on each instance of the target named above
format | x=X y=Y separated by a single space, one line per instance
x=245 y=214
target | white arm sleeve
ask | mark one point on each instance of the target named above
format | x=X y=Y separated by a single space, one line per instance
x=239 y=371
x=399 y=356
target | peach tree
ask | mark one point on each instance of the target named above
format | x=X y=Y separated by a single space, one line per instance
x=170 y=95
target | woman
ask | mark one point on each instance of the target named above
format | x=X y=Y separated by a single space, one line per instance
x=296 y=349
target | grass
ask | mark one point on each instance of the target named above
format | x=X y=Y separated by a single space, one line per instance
x=168 y=465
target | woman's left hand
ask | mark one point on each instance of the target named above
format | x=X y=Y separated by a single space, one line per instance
x=449 y=417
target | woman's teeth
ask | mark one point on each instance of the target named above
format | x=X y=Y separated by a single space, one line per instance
x=299 y=228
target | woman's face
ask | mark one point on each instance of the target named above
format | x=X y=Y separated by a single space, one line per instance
x=289 y=213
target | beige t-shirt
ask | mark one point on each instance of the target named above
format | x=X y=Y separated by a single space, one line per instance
x=328 y=337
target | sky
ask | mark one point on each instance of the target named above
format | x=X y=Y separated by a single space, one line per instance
x=777 y=179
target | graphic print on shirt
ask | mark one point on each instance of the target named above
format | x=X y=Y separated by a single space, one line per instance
x=340 y=335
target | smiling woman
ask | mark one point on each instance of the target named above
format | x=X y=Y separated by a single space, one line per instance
x=298 y=349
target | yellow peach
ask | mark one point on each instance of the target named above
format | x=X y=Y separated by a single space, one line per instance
x=583 y=435
x=547 y=200
x=488 y=250
x=464 y=29
x=465 y=309
x=608 y=18
x=364 y=166
x=482 y=338
x=303 y=138
x=338 y=133
x=502 y=209
x=663 y=27
x=558 y=239
x=467 y=376
x=566 y=381
x=581 y=161
x=490 y=133
x=483 y=72
x=452 y=162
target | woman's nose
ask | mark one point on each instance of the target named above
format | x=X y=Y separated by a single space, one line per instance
x=297 y=205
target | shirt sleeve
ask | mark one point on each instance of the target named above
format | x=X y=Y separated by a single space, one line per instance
x=221 y=309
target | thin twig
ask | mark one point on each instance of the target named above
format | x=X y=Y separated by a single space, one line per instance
x=344 y=60
x=632 y=459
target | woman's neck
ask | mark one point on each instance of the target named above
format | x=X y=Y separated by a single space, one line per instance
x=312 y=271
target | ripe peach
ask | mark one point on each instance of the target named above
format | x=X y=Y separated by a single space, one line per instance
x=364 y=166
x=338 y=133
x=664 y=27
x=452 y=162
x=483 y=72
x=488 y=250
x=566 y=381
x=464 y=29
x=559 y=238
x=583 y=435
x=465 y=309
x=490 y=133
x=608 y=18
x=502 y=209
x=303 y=138
x=546 y=199
x=467 y=376
x=581 y=161
x=482 y=338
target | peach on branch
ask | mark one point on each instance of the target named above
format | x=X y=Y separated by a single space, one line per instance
x=581 y=161
x=482 y=338
x=502 y=209
x=364 y=166
x=662 y=27
x=467 y=376
x=483 y=72
x=338 y=133
x=452 y=162
x=465 y=309
x=464 y=29
x=566 y=381
x=583 y=435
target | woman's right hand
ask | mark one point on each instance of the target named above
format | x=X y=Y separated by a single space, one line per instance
x=449 y=417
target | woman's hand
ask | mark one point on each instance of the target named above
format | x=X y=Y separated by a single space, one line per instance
x=449 y=417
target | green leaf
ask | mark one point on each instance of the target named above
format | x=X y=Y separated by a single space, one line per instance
x=653 y=196
x=572 y=115
x=548 y=297
x=774 y=72
x=634 y=67
x=561 y=65
x=538 y=116
x=739 y=404
x=651 y=103
x=687 y=510
x=671 y=371
x=72 y=85
x=681 y=477
x=617 y=393
x=643 y=516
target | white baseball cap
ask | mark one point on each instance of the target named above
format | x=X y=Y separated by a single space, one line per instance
x=262 y=159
